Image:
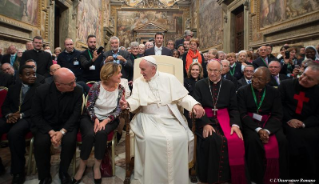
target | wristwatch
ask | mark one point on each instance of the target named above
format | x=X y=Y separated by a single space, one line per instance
x=21 y=115
x=62 y=132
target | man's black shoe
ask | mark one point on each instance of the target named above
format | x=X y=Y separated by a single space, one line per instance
x=18 y=179
x=65 y=178
x=47 y=180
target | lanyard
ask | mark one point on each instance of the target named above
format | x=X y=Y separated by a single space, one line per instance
x=264 y=61
x=90 y=54
x=232 y=71
x=262 y=98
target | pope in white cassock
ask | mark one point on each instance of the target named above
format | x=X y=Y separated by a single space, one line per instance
x=162 y=136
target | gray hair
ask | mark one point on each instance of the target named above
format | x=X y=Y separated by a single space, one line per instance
x=274 y=61
x=115 y=38
x=134 y=44
x=313 y=67
x=141 y=46
x=247 y=66
x=187 y=32
x=242 y=51
x=226 y=61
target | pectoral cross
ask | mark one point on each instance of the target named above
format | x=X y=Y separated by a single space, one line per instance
x=215 y=110
x=301 y=98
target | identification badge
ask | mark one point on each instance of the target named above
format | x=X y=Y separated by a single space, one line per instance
x=76 y=62
x=257 y=117
x=195 y=60
x=92 y=67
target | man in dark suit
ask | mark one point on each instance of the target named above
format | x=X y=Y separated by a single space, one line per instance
x=40 y=78
x=119 y=56
x=56 y=110
x=16 y=120
x=263 y=59
x=188 y=34
x=158 y=48
x=43 y=59
x=248 y=74
x=6 y=79
x=11 y=57
x=226 y=74
x=276 y=77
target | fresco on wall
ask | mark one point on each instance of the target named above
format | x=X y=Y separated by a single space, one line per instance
x=127 y=21
x=22 y=10
x=211 y=21
x=194 y=15
x=274 y=11
x=89 y=22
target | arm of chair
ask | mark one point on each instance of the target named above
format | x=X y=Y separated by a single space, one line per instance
x=129 y=165
x=193 y=168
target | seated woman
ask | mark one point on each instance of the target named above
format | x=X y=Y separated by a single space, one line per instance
x=103 y=108
x=194 y=74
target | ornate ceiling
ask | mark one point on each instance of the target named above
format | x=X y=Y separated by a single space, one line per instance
x=151 y=3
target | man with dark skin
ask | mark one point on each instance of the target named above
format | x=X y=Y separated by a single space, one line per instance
x=16 y=120
x=261 y=113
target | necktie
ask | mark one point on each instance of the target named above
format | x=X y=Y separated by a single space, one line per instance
x=277 y=80
x=12 y=60
x=249 y=81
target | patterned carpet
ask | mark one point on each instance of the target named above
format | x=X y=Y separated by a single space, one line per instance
x=55 y=159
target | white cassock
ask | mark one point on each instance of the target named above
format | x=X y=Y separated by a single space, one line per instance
x=162 y=136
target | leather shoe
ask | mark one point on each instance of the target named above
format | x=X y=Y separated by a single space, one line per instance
x=47 y=180
x=65 y=178
x=98 y=181
x=18 y=178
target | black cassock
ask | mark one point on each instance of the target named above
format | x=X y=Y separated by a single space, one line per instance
x=255 y=152
x=212 y=152
x=302 y=104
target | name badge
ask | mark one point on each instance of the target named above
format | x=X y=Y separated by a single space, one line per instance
x=76 y=62
x=257 y=117
x=195 y=60
x=92 y=67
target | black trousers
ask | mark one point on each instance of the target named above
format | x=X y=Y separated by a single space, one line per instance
x=255 y=155
x=42 y=144
x=89 y=138
x=16 y=133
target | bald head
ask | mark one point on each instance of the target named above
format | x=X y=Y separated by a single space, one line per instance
x=7 y=68
x=68 y=44
x=261 y=77
x=64 y=80
x=214 y=69
x=54 y=68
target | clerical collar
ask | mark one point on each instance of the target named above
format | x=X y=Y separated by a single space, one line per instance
x=37 y=50
x=216 y=81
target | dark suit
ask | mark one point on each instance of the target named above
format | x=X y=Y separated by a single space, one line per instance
x=53 y=110
x=6 y=79
x=6 y=59
x=231 y=78
x=43 y=60
x=259 y=61
x=16 y=131
x=237 y=71
x=242 y=82
x=127 y=68
x=40 y=78
x=151 y=51
x=178 y=42
x=273 y=81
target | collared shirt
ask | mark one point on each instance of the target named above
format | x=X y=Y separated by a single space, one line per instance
x=25 y=88
x=277 y=78
x=158 y=50
x=248 y=80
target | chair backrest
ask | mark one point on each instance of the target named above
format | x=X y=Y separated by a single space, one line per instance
x=165 y=64
x=90 y=83
x=3 y=94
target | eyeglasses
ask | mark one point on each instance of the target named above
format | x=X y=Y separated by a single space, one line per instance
x=69 y=84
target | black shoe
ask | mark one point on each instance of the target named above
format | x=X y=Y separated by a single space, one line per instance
x=65 y=178
x=2 y=168
x=18 y=178
x=98 y=181
x=47 y=180
x=74 y=181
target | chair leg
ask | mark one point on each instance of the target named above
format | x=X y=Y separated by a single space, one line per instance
x=30 y=156
x=113 y=152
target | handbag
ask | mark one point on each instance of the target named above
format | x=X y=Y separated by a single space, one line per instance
x=106 y=165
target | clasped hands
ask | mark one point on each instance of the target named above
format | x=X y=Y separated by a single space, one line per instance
x=100 y=126
x=56 y=137
x=111 y=58
x=264 y=136
x=294 y=123
x=13 y=117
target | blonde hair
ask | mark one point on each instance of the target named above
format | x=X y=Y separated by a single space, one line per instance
x=194 y=40
x=200 y=70
x=109 y=69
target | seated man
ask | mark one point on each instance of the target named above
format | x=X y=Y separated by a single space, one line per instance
x=301 y=122
x=248 y=73
x=276 y=77
x=261 y=113
x=220 y=153
x=53 y=68
x=16 y=120
x=40 y=78
x=162 y=135
x=56 y=110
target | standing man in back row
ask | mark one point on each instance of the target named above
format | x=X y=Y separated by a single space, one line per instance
x=158 y=49
x=91 y=61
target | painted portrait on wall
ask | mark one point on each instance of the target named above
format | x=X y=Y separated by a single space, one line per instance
x=26 y=11
x=89 y=22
